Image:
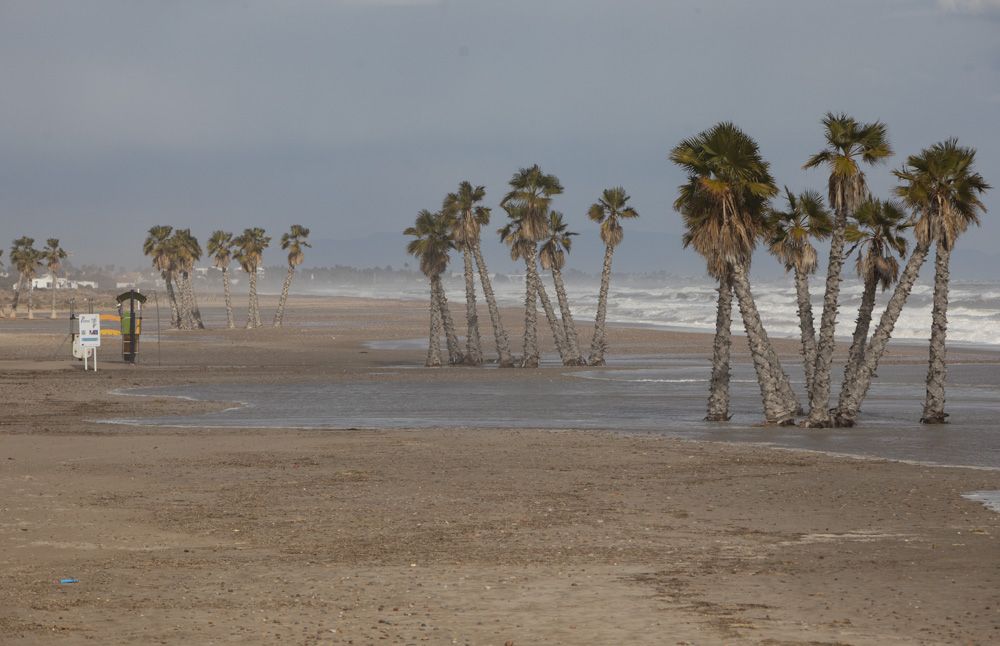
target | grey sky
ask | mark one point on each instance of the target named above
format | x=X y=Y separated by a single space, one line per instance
x=349 y=117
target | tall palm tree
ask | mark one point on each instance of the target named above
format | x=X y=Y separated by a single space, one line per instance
x=53 y=255
x=250 y=246
x=848 y=144
x=723 y=205
x=608 y=212
x=878 y=237
x=460 y=212
x=521 y=247
x=26 y=259
x=431 y=246
x=942 y=188
x=158 y=247
x=531 y=192
x=187 y=251
x=295 y=243
x=3 y=313
x=220 y=248
x=552 y=255
x=469 y=218
x=790 y=233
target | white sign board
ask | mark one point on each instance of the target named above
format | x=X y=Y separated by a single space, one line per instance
x=90 y=330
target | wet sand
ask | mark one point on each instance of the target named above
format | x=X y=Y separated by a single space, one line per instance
x=451 y=535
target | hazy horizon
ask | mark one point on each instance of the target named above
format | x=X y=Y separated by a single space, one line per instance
x=350 y=116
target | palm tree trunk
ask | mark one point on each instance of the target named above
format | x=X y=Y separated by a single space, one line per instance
x=557 y=330
x=530 y=358
x=454 y=347
x=434 y=342
x=806 y=328
x=473 y=344
x=860 y=338
x=195 y=310
x=53 y=295
x=599 y=342
x=31 y=298
x=819 y=395
x=175 y=315
x=854 y=392
x=503 y=343
x=718 y=389
x=17 y=296
x=777 y=408
x=252 y=317
x=937 y=367
x=285 y=286
x=574 y=358
x=229 y=297
x=187 y=308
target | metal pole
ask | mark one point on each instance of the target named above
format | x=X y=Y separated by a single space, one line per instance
x=156 y=299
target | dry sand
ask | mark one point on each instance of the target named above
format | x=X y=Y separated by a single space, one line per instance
x=198 y=536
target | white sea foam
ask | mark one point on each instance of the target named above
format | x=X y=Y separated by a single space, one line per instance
x=689 y=303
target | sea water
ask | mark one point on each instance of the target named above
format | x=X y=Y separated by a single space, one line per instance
x=689 y=303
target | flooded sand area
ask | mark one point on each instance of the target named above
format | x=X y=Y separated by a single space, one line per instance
x=664 y=396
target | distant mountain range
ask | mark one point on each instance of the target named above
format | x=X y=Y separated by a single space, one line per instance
x=640 y=252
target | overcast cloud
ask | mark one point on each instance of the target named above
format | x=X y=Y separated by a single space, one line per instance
x=349 y=117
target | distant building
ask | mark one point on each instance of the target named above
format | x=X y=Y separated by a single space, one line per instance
x=45 y=282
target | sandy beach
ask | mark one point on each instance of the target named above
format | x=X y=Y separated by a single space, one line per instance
x=462 y=535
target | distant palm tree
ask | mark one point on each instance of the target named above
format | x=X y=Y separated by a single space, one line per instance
x=158 y=247
x=848 y=143
x=878 y=237
x=789 y=241
x=220 y=248
x=723 y=205
x=942 y=188
x=53 y=255
x=186 y=252
x=250 y=248
x=295 y=243
x=526 y=249
x=530 y=195
x=26 y=259
x=431 y=245
x=469 y=218
x=552 y=255
x=608 y=212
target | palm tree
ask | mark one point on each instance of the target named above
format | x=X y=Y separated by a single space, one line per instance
x=941 y=187
x=220 y=248
x=158 y=247
x=552 y=255
x=521 y=247
x=53 y=255
x=295 y=242
x=250 y=248
x=469 y=218
x=723 y=205
x=431 y=245
x=848 y=143
x=457 y=210
x=878 y=237
x=3 y=313
x=790 y=233
x=530 y=195
x=186 y=252
x=25 y=258
x=608 y=213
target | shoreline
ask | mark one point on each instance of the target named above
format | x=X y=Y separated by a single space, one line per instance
x=186 y=535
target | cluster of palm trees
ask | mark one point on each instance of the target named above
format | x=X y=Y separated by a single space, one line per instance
x=27 y=260
x=726 y=208
x=535 y=234
x=175 y=252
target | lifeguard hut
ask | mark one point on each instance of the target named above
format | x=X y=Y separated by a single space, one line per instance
x=130 y=312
